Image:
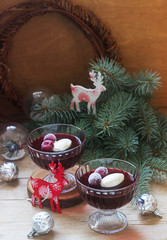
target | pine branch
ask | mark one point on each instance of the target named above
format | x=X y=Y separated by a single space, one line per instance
x=123 y=144
x=146 y=123
x=31 y=125
x=145 y=179
x=115 y=76
x=54 y=109
x=159 y=142
x=92 y=137
x=142 y=155
x=159 y=168
x=115 y=112
x=145 y=83
x=90 y=154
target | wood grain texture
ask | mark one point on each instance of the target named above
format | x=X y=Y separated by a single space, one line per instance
x=16 y=214
x=20 y=16
x=139 y=28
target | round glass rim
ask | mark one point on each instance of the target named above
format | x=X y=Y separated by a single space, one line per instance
x=107 y=190
x=56 y=152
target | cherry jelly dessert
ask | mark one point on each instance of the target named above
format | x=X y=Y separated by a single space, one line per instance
x=68 y=157
x=75 y=140
x=107 y=198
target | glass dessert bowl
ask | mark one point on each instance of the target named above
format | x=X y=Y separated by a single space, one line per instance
x=109 y=198
x=68 y=157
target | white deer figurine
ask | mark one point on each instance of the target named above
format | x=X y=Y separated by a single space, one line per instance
x=87 y=95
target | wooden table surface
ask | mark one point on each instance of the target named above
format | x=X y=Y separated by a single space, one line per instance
x=16 y=214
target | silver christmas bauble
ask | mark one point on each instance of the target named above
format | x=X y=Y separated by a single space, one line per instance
x=9 y=171
x=147 y=204
x=12 y=141
x=42 y=223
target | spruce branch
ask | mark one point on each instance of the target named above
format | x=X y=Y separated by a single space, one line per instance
x=115 y=76
x=145 y=83
x=160 y=139
x=127 y=141
x=146 y=123
x=92 y=137
x=92 y=153
x=122 y=144
x=159 y=168
x=54 y=109
x=116 y=112
x=143 y=154
x=145 y=179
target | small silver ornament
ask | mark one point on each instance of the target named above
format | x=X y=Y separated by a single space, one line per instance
x=12 y=141
x=9 y=171
x=42 y=223
x=147 y=204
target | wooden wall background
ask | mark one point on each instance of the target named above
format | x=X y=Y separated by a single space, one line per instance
x=50 y=52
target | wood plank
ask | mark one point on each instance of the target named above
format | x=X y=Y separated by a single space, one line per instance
x=15 y=225
x=17 y=212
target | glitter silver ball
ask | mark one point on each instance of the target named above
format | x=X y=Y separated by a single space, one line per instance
x=147 y=204
x=9 y=171
x=42 y=223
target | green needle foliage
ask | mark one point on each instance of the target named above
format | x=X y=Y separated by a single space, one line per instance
x=125 y=126
x=53 y=109
x=116 y=112
x=146 y=83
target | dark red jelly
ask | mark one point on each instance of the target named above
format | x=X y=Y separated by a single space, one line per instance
x=75 y=140
x=68 y=158
x=108 y=198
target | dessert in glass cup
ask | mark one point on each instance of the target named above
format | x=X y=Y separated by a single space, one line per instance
x=62 y=143
x=107 y=184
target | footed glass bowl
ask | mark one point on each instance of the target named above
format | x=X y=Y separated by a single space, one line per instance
x=68 y=157
x=108 y=200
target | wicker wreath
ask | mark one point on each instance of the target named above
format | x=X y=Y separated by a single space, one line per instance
x=14 y=17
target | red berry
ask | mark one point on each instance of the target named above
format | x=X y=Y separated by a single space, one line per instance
x=94 y=179
x=47 y=146
x=50 y=136
x=103 y=171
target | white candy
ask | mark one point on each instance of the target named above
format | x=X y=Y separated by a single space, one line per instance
x=62 y=144
x=112 y=180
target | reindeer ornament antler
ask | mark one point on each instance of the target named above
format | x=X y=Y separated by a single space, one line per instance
x=87 y=95
x=43 y=189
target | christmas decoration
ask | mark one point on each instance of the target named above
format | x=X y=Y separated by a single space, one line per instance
x=11 y=150
x=44 y=189
x=125 y=126
x=42 y=223
x=9 y=171
x=147 y=204
x=12 y=139
x=32 y=99
x=87 y=95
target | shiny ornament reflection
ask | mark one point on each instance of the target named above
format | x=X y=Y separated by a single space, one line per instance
x=33 y=101
x=42 y=223
x=147 y=204
x=9 y=171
